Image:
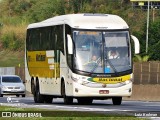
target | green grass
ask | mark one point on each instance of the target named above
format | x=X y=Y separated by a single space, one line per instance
x=64 y=115
x=11 y=58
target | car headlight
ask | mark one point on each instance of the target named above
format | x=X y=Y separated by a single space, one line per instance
x=4 y=87
x=22 y=88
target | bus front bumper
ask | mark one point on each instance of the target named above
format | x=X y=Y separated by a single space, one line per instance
x=84 y=91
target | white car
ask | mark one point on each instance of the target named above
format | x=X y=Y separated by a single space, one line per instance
x=11 y=85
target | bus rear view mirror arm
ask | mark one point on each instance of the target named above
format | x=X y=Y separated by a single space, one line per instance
x=136 y=44
x=70 y=44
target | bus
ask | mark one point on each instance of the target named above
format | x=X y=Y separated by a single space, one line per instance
x=67 y=57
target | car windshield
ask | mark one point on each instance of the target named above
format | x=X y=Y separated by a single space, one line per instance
x=11 y=79
x=102 y=52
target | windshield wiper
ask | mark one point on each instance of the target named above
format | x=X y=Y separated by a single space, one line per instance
x=96 y=65
x=110 y=63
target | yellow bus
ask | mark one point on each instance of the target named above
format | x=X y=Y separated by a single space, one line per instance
x=68 y=56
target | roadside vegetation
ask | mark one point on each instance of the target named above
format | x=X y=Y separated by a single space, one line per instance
x=67 y=115
x=15 y=15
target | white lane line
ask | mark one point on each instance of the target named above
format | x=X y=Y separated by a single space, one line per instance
x=61 y=107
x=88 y=108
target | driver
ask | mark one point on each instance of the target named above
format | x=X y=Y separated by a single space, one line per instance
x=95 y=59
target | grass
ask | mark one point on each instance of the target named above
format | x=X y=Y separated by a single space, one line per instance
x=63 y=115
x=11 y=58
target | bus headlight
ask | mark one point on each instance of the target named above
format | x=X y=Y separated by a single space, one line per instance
x=74 y=78
x=80 y=80
x=127 y=82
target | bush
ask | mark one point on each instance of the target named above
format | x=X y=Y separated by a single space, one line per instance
x=10 y=41
x=13 y=37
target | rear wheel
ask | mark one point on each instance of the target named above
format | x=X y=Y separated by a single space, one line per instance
x=32 y=86
x=38 y=98
x=67 y=100
x=117 y=100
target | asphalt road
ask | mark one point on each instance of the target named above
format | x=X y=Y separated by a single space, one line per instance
x=138 y=108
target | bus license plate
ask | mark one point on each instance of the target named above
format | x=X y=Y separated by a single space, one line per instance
x=103 y=91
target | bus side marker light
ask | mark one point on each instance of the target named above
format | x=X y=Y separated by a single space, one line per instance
x=76 y=90
x=130 y=90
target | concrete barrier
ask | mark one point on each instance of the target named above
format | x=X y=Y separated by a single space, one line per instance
x=145 y=93
x=7 y=70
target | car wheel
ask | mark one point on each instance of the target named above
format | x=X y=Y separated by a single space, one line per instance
x=23 y=95
x=17 y=95
x=1 y=95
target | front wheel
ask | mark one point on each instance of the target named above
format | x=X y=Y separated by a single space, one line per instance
x=117 y=100
x=67 y=100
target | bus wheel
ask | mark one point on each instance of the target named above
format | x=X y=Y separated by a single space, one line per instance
x=84 y=101
x=67 y=100
x=32 y=86
x=48 y=99
x=117 y=100
x=38 y=98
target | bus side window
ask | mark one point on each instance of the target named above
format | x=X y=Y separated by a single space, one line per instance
x=60 y=42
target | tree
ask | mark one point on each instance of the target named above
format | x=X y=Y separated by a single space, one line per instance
x=43 y=9
x=154 y=40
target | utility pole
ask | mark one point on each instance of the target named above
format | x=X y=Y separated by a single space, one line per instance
x=147 y=28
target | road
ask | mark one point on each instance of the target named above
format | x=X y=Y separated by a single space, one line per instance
x=97 y=106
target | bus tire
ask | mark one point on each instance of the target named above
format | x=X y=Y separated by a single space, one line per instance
x=67 y=100
x=32 y=85
x=117 y=100
x=84 y=101
x=38 y=98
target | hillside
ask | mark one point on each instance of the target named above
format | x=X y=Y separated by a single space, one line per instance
x=11 y=58
x=15 y=15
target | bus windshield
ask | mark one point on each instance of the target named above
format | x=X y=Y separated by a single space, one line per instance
x=102 y=51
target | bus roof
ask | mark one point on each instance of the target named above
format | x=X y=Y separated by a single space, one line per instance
x=85 y=21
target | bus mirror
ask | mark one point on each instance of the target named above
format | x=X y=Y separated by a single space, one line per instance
x=136 y=44
x=70 y=44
